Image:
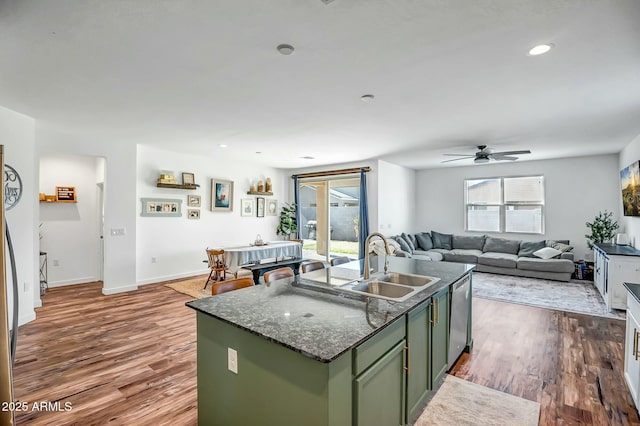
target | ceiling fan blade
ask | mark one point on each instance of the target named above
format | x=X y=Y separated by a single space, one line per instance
x=503 y=157
x=456 y=159
x=512 y=152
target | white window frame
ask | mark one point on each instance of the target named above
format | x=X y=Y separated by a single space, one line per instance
x=502 y=206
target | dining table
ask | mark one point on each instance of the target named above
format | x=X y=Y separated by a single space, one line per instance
x=238 y=256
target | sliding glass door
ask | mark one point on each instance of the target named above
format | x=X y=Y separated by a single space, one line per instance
x=329 y=216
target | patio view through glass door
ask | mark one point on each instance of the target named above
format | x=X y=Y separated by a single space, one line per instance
x=329 y=216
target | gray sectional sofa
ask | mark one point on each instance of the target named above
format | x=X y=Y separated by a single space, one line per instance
x=490 y=254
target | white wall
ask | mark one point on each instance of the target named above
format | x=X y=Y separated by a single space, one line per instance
x=576 y=189
x=177 y=243
x=629 y=224
x=396 y=198
x=119 y=198
x=17 y=135
x=70 y=231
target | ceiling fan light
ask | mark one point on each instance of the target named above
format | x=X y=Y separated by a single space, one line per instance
x=479 y=160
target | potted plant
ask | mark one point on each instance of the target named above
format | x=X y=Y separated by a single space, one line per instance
x=603 y=229
x=287 y=225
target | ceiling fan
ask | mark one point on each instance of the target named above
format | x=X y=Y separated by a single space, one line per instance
x=486 y=154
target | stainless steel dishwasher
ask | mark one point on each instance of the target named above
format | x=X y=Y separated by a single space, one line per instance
x=460 y=303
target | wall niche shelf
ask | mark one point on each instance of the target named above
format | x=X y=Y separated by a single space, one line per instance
x=259 y=193
x=177 y=185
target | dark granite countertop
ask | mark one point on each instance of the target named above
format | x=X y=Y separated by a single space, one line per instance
x=618 y=250
x=306 y=315
x=633 y=289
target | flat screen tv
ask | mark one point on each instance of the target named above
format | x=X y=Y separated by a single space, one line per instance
x=630 y=183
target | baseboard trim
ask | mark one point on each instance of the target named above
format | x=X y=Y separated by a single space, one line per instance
x=164 y=278
x=115 y=290
x=71 y=282
x=23 y=319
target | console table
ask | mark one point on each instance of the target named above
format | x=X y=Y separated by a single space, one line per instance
x=615 y=264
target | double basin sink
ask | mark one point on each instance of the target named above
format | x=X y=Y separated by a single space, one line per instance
x=394 y=286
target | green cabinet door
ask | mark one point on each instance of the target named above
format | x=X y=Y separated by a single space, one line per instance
x=439 y=335
x=418 y=359
x=379 y=392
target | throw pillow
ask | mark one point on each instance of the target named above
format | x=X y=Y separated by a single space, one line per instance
x=413 y=240
x=527 y=248
x=424 y=241
x=465 y=242
x=403 y=245
x=441 y=241
x=547 y=253
x=501 y=245
x=559 y=246
x=409 y=242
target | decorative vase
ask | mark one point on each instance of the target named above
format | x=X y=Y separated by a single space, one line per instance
x=260 y=186
x=268 y=187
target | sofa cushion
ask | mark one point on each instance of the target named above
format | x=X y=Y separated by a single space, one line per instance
x=501 y=260
x=441 y=241
x=547 y=253
x=545 y=265
x=465 y=242
x=424 y=241
x=413 y=240
x=463 y=256
x=559 y=245
x=501 y=245
x=528 y=247
x=432 y=255
x=403 y=244
x=408 y=241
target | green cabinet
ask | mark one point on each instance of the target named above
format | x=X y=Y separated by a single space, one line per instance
x=439 y=335
x=419 y=359
x=379 y=392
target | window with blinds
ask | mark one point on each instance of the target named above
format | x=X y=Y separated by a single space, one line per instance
x=505 y=204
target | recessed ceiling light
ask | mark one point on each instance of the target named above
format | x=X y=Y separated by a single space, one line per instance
x=540 y=49
x=258 y=152
x=222 y=145
x=306 y=157
x=367 y=98
x=285 y=49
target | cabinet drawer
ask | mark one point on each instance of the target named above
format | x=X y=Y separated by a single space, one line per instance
x=368 y=352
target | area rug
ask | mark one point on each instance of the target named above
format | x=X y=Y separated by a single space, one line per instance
x=193 y=287
x=575 y=296
x=459 y=402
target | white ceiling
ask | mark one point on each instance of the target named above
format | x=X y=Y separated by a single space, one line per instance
x=446 y=74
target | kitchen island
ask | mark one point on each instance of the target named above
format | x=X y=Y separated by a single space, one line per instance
x=303 y=353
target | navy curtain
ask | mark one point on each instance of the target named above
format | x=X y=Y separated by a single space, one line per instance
x=296 y=200
x=363 y=224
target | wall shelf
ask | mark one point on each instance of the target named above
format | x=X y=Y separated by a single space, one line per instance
x=57 y=202
x=259 y=193
x=177 y=186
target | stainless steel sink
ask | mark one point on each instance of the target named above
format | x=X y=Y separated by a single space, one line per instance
x=383 y=290
x=394 y=286
x=408 y=279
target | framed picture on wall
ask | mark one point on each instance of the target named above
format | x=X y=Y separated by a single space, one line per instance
x=272 y=207
x=193 y=214
x=221 y=195
x=161 y=207
x=260 y=207
x=246 y=207
x=188 y=179
x=193 y=200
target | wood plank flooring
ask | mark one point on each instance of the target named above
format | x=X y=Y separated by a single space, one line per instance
x=125 y=359
x=130 y=359
x=572 y=364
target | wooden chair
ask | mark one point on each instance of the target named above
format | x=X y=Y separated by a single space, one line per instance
x=230 y=285
x=311 y=265
x=278 y=274
x=217 y=264
x=340 y=260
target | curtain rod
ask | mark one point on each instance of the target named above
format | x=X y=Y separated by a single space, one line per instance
x=332 y=172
